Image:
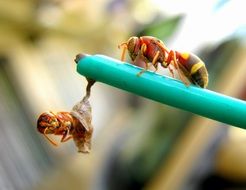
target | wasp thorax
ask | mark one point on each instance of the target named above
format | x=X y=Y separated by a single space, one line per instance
x=47 y=121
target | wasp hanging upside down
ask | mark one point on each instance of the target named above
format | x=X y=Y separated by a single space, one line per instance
x=152 y=50
x=74 y=125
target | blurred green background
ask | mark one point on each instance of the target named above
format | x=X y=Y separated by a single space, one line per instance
x=137 y=143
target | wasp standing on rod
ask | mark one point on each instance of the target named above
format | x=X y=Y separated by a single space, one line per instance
x=190 y=68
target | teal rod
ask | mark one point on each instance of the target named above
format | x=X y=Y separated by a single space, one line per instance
x=163 y=89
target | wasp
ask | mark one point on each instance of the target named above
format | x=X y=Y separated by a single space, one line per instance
x=190 y=68
x=61 y=123
x=75 y=124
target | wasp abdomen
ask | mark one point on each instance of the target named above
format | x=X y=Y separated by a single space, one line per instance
x=200 y=77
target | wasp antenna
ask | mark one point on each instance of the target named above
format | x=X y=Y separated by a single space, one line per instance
x=123 y=53
x=50 y=140
x=122 y=44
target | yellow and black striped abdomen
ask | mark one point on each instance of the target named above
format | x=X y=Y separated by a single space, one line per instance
x=196 y=68
x=200 y=77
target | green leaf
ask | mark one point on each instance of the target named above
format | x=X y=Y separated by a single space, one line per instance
x=163 y=29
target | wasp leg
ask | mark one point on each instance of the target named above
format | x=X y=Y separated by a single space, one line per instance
x=142 y=71
x=171 y=71
x=166 y=63
x=155 y=58
x=156 y=67
x=124 y=45
x=141 y=57
x=65 y=136
x=143 y=48
x=154 y=61
x=146 y=61
x=50 y=140
x=173 y=60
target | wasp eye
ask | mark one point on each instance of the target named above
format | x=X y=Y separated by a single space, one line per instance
x=133 y=46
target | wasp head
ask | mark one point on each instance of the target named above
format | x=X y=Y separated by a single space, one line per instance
x=47 y=123
x=133 y=46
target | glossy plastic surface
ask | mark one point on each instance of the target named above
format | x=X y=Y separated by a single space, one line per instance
x=164 y=89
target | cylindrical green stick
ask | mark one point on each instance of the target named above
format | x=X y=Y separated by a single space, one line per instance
x=163 y=89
